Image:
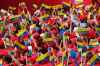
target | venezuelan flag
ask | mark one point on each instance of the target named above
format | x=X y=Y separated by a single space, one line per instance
x=92 y=59
x=21 y=32
x=42 y=57
x=20 y=45
x=1 y=62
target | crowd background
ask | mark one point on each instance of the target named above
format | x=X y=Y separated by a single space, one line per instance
x=62 y=36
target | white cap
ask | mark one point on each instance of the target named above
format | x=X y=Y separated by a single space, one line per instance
x=29 y=47
x=42 y=34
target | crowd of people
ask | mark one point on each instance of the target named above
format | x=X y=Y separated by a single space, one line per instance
x=66 y=36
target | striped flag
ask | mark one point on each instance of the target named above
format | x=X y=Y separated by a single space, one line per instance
x=92 y=59
x=21 y=32
x=20 y=45
x=1 y=62
x=42 y=57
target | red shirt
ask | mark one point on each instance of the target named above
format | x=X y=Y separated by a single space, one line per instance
x=72 y=35
x=1 y=42
x=97 y=64
x=13 y=37
x=14 y=64
x=13 y=28
x=87 y=2
x=81 y=17
x=51 y=21
x=98 y=38
x=91 y=33
x=54 y=30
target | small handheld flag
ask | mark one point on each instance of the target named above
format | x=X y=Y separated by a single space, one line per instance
x=92 y=59
x=42 y=57
x=19 y=45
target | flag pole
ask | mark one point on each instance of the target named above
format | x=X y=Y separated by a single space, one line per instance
x=4 y=42
x=81 y=58
x=68 y=56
